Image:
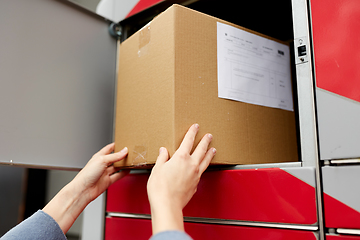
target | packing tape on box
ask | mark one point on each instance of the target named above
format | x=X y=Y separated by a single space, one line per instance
x=144 y=39
x=140 y=153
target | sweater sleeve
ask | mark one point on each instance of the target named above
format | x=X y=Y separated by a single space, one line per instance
x=39 y=226
x=173 y=235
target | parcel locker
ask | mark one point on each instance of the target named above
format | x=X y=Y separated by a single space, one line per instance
x=68 y=106
x=58 y=98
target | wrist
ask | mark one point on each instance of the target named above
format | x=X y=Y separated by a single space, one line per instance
x=166 y=217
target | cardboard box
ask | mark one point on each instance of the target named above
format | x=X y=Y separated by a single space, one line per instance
x=168 y=81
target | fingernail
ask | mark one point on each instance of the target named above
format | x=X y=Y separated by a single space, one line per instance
x=124 y=150
x=210 y=136
x=161 y=150
x=214 y=151
x=196 y=125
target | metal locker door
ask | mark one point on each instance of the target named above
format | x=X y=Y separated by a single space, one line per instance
x=57 y=76
x=342 y=199
x=337 y=58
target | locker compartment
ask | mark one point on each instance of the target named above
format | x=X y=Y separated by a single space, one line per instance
x=277 y=25
x=126 y=228
x=341 y=197
x=232 y=81
x=261 y=195
x=285 y=20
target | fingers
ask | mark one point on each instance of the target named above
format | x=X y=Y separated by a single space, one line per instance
x=188 y=141
x=114 y=157
x=206 y=160
x=106 y=150
x=202 y=147
x=163 y=155
x=201 y=154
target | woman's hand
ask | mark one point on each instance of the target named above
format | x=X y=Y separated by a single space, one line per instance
x=173 y=182
x=98 y=174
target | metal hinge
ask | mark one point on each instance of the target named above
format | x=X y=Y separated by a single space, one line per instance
x=115 y=30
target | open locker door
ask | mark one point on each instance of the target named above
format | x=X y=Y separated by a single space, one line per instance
x=57 y=77
x=57 y=71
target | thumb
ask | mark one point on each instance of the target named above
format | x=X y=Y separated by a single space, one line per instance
x=163 y=155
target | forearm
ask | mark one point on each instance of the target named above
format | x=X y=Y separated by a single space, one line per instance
x=67 y=205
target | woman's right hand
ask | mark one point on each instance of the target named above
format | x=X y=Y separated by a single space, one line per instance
x=173 y=182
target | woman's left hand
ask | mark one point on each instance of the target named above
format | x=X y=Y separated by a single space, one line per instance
x=99 y=173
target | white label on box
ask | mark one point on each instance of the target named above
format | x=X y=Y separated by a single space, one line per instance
x=253 y=69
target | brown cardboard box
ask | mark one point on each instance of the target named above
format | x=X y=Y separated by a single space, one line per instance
x=168 y=81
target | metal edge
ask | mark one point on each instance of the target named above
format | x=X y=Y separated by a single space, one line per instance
x=47 y=167
x=257 y=166
x=236 y=167
x=302 y=227
x=319 y=186
x=307 y=103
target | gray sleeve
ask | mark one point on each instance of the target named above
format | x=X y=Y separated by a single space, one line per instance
x=173 y=235
x=39 y=226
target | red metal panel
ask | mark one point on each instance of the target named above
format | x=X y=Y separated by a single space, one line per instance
x=142 y=5
x=339 y=215
x=263 y=195
x=336 y=25
x=341 y=237
x=129 y=195
x=129 y=229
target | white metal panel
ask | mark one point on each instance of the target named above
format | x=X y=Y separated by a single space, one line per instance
x=339 y=126
x=94 y=219
x=306 y=174
x=305 y=87
x=341 y=182
x=115 y=10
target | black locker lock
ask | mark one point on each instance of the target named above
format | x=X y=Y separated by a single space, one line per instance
x=302 y=51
